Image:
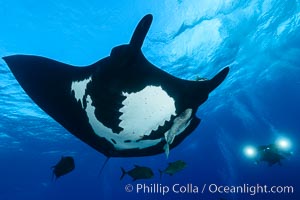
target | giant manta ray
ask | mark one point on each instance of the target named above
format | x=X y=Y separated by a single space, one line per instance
x=122 y=105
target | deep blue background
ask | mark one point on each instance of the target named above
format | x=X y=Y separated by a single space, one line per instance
x=258 y=102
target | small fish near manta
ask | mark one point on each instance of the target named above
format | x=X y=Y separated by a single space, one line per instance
x=141 y=172
x=122 y=105
x=173 y=168
x=138 y=172
x=64 y=166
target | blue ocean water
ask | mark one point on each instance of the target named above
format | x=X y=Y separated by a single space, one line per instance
x=257 y=103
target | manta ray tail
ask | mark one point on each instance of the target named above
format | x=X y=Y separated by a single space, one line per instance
x=160 y=173
x=103 y=165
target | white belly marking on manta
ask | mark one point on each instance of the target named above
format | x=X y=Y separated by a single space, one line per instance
x=146 y=110
x=143 y=112
x=79 y=88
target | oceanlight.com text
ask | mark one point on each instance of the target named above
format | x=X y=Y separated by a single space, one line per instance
x=250 y=189
x=190 y=188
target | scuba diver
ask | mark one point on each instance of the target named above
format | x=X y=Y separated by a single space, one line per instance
x=271 y=154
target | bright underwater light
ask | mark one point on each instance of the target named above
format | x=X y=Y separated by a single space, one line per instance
x=283 y=144
x=250 y=151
